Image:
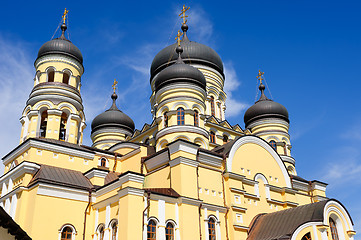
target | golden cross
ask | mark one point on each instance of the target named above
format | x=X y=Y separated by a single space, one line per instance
x=114 y=86
x=260 y=76
x=183 y=12
x=64 y=15
x=178 y=37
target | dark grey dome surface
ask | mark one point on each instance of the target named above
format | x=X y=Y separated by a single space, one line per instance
x=61 y=45
x=179 y=72
x=113 y=117
x=193 y=52
x=265 y=108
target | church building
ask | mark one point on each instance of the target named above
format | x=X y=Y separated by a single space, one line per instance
x=187 y=175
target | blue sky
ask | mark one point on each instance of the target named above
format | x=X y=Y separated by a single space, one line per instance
x=309 y=51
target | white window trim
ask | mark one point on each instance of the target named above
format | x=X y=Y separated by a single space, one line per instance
x=72 y=228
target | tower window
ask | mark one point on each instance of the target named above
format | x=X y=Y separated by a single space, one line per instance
x=333 y=228
x=273 y=145
x=51 y=74
x=307 y=236
x=225 y=139
x=66 y=233
x=43 y=123
x=285 y=148
x=63 y=121
x=212 y=106
x=103 y=162
x=196 y=117
x=114 y=230
x=66 y=77
x=169 y=231
x=151 y=230
x=165 y=118
x=211 y=229
x=101 y=233
x=212 y=137
x=180 y=116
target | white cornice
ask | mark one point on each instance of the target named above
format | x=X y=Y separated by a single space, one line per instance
x=157 y=161
x=118 y=184
x=179 y=129
x=209 y=159
x=183 y=146
x=96 y=173
x=63 y=192
x=19 y=170
x=183 y=160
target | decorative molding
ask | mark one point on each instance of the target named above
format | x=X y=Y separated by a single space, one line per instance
x=19 y=170
x=157 y=160
x=62 y=192
x=210 y=159
x=181 y=128
x=96 y=173
x=214 y=208
x=183 y=160
x=288 y=159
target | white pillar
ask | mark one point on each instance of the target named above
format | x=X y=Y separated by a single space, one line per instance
x=145 y=220
x=4 y=190
x=14 y=201
x=161 y=216
x=107 y=220
x=7 y=205
x=177 y=233
x=96 y=224
x=206 y=222
x=218 y=228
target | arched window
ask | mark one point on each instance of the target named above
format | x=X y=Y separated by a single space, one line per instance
x=211 y=229
x=103 y=162
x=333 y=228
x=66 y=233
x=101 y=233
x=225 y=139
x=43 y=123
x=285 y=148
x=212 y=137
x=66 y=77
x=307 y=236
x=152 y=230
x=196 y=117
x=146 y=141
x=273 y=145
x=51 y=74
x=114 y=227
x=165 y=118
x=212 y=106
x=63 y=121
x=169 y=231
x=180 y=116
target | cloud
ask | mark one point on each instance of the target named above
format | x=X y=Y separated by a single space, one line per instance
x=16 y=79
x=199 y=21
x=231 y=84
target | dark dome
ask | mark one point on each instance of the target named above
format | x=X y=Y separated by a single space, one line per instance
x=61 y=45
x=179 y=72
x=193 y=53
x=265 y=108
x=113 y=117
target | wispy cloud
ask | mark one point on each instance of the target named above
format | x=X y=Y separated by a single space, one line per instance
x=199 y=21
x=231 y=84
x=16 y=81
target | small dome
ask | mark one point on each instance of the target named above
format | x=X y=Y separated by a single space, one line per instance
x=113 y=117
x=61 y=45
x=193 y=53
x=179 y=72
x=265 y=108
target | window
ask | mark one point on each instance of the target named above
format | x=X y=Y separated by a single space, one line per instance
x=43 y=123
x=66 y=76
x=169 y=232
x=273 y=145
x=196 y=121
x=180 y=116
x=333 y=228
x=212 y=106
x=225 y=139
x=211 y=229
x=66 y=233
x=151 y=230
x=63 y=121
x=51 y=74
x=212 y=137
x=101 y=233
x=103 y=162
x=165 y=118
x=114 y=230
x=146 y=141
x=307 y=236
x=285 y=148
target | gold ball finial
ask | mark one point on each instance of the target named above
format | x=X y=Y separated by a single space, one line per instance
x=178 y=37
x=260 y=76
x=114 y=86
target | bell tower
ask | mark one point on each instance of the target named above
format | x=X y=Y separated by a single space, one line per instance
x=54 y=108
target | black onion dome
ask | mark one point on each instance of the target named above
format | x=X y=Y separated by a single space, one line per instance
x=265 y=108
x=193 y=53
x=179 y=73
x=113 y=117
x=61 y=45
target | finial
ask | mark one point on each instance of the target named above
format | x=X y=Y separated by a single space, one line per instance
x=179 y=48
x=178 y=37
x=183 y=14
x=260 y=76
x=261 y=86
x=114 y=86
x=64 y=15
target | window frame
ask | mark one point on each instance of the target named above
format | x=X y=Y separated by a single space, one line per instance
x=333 y=229
x=196 y=118
x=180 y=116
x=171 y=235
x=153 y=228
x=213 y=112
x=212 y=137
x=273 y=144
x=73 y=231
x=212 y=222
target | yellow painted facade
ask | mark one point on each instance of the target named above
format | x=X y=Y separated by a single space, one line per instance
x=193 y=175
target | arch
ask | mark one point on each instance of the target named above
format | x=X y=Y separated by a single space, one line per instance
x=67 y=231
x=77 y=84
x=152 y=229
x=225 y=138
x=201 y=142
x=65 y=105
x=113 y=226
x=335 y=210
x=50 y=74
x=37 y=77
x=272 y=138
x=291 y=170
x=162 y=110
x=198 y=107
x=43 y=114
x=260 y=142
x=284 y=139
x=100 y=231
x=42 y=104
x=169 y=230
x=181 y=137
x=66 y=76
x=257 y=177
x=162 y=144
x=103 y=162
x=180 y=104
x=180 y=116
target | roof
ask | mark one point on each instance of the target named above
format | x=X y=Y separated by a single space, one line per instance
x=282 y=224
x=61 y=176
x=170 y=192
x=13 y=228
